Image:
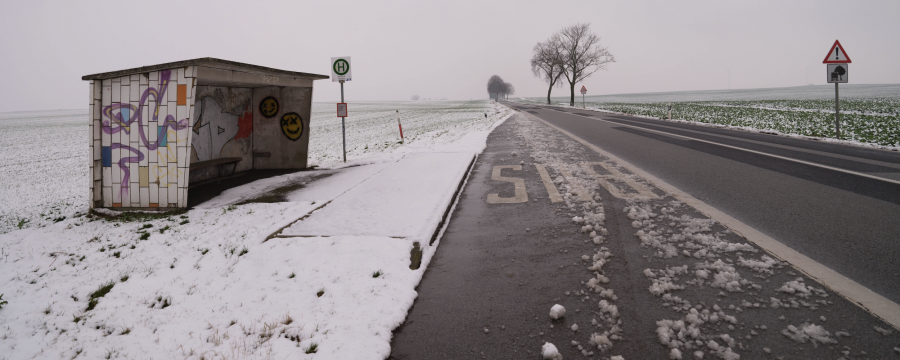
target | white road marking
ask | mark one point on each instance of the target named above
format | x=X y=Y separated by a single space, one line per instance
x=858 y=294
x=892 y=181
x=786 y=147
x=615 y=174
x=548 y=184
x=520 y=197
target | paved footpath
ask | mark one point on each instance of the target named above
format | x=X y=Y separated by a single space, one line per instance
x=545 y=220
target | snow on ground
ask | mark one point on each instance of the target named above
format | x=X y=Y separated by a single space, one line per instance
x=207 y=284
x=46 y=182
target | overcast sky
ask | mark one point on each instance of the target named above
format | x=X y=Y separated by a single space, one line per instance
x=444 y=49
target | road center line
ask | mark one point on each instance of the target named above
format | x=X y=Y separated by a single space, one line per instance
x=786 y=147
x=869 y=300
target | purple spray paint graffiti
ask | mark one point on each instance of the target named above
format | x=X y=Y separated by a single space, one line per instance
x=119 y=123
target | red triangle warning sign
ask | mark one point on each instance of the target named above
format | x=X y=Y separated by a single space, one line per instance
x=583 y=89
x=837 y=55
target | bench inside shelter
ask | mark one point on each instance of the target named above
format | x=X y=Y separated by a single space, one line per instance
x=211 y=169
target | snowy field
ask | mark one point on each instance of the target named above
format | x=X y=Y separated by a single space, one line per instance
x=48 y=184
x=870 y=114
x=229 y=280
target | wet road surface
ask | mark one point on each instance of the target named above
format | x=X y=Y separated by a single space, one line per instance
x=510 y=253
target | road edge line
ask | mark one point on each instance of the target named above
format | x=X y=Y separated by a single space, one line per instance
x=879 y=306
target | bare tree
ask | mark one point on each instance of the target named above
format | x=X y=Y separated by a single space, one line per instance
x=509 y=89
x=547 y=62
x=582 y=55
x=495 y=87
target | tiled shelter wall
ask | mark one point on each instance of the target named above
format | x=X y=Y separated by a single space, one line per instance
x=141 y=139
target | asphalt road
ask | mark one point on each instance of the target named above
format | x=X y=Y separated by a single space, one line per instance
x=510 y=252
x=847 y=222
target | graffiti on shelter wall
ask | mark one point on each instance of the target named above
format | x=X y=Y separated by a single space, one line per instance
x=292 y=125
x=222 y=124
x=137 y=137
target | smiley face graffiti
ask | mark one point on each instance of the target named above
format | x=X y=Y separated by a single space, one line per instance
x=292 y=126
x=268 y=107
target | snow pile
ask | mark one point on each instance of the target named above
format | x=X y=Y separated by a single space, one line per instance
x=809 y=332
x=764 y=265
x=557 y=311
x=549 y=352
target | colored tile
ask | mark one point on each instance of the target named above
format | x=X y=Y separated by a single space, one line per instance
x=107 y=156
x=182 y=95
x=144 y=175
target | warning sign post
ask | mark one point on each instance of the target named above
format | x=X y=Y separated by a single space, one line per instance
x=583 y=91
x=837 y=71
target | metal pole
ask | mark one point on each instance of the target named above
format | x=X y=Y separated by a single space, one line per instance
x=837 y=111
x=582 y=101
x=343 y=126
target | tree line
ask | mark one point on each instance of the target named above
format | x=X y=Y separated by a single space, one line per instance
x=499 y=89
x=573 y=53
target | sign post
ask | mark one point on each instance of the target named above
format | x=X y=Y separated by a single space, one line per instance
x=583 y=91
x=400 y=125
x=340 y=72
x=838 y=71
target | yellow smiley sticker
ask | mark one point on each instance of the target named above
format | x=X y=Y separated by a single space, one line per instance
x=292 y=125
x=268 y=107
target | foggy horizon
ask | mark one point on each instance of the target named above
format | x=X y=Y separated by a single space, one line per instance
x=446 y=50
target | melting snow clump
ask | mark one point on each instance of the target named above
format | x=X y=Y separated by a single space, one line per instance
x=557 y=311
x=809 y=332
x=549 y=352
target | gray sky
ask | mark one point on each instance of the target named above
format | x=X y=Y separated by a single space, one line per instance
x=444 y=49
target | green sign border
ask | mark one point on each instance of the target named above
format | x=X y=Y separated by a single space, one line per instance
x=334 y=67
